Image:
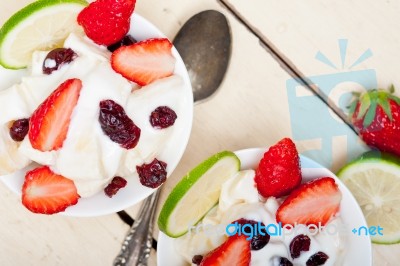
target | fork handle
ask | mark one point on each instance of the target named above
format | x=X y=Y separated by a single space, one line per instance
x=136 y=247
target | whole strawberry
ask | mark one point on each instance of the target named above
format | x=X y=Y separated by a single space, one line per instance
x=279 y=171
x=107 y=21
x=376 y=117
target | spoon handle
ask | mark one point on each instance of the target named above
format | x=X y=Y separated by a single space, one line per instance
x=137 y=244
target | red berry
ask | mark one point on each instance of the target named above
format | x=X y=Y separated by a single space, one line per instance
x=49 y=123
x=162 y=117
x=234 y=251
x=57 y=58
x=279 y=171
x=376 y=116
x=107 y=21
x=298 y=244
x=318 y=200
x=318 y=258
x=46 y=192
x=145 y=61
x=284 y=262
x=258 y=240
x=19 y=129
x=116 y=124
x=153 y=174
x=197 y=259
x=115 y=185
x=126 y=41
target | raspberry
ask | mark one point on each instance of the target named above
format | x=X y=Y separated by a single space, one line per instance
x=56 y=58
x=153 y=174
x=19 y=129
x=116 y=124
x=162 y=117
x=299 y=243
x=116 y=184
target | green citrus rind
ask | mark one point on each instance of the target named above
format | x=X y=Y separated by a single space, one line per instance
x=22 y=16
x=374 y=180
x=189 y=186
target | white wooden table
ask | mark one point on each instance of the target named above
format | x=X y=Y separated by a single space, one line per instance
x=272 y=41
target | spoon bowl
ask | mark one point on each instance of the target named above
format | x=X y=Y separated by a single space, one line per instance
x=204 y=43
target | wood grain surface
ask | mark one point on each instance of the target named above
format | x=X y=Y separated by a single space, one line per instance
x=252 y=108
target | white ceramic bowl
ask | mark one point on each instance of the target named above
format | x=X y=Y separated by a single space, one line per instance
x=100 y=204
x=358 y=248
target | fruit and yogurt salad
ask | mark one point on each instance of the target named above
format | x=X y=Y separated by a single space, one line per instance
x=96 y=108
x=221 y=215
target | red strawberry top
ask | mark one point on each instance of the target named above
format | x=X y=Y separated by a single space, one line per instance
x=279 y=171
x=376 y=116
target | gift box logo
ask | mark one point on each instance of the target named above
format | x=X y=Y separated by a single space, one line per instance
x=313 y=121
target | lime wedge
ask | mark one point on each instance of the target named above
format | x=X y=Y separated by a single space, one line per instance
x=42 y=25
x=196 y=193
x=374 y=180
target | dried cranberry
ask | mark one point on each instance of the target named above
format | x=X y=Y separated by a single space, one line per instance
x=153 y=174
x=126 y=41
x=116 y=184
x=285 y=262
x=56 y=58
x=197 y=259
x=162 y=117
x=19 y=129
x=299 y=243
x=116 y=124
x=258 y=240
x=318 y=258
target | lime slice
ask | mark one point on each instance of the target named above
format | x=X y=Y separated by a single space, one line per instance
x=42 y=25
x=374 y=180
x=196 y=193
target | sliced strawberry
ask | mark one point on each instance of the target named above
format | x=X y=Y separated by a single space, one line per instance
x=144 y=62
x=46 y=192
x=107 y=21
x=50 y=121
x=279 y=171
x=312 y=203
x=234 y=251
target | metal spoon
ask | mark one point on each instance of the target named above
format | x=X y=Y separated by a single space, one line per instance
x=204 y=43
